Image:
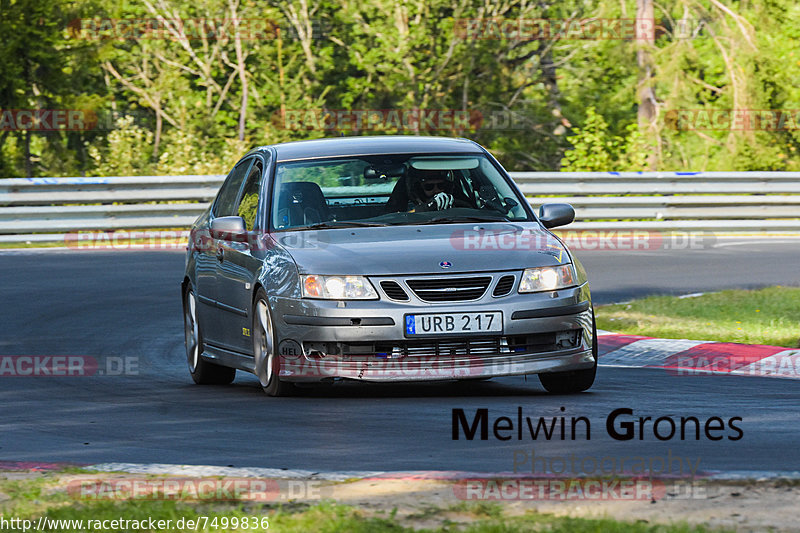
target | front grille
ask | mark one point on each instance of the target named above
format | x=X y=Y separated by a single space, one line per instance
x=503 y=286
x=449 y=289
x=495 y=345
x=454 y=347
x=394 y=291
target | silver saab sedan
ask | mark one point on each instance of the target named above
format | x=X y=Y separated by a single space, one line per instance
x=383 y=259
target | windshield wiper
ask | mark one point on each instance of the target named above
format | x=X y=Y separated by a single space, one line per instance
x=456 y=220
x=344 y=224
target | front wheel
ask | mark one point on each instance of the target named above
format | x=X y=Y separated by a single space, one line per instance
x=202 y=371
x=267 y=361
x=573 y=380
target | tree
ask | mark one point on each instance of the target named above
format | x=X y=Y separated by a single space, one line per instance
x=40 y=70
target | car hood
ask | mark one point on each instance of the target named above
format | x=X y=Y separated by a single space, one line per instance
x=422 y=249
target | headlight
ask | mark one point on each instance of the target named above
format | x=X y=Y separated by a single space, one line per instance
x=338 y=288
x=547 y=278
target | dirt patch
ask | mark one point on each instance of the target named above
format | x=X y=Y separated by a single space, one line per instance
x=429 y=503
x=744 y=506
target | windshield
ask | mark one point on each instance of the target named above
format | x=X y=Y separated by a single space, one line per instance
x=391 y=190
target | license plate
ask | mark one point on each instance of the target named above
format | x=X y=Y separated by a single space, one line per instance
x=454 y=323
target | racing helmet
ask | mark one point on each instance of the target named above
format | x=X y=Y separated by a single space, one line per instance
x=421 y=183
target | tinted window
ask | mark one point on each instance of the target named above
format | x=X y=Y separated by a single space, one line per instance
x=248 y=206
x=226 y=199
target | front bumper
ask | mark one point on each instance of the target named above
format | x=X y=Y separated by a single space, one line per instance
x=317 y=339
x=302 y=369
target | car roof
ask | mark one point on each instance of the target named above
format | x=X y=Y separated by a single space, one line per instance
x=381 y=144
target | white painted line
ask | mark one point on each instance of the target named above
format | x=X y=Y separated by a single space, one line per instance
x=751 y=242
x=692 y=295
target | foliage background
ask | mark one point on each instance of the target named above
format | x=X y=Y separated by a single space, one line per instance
x=184 y=103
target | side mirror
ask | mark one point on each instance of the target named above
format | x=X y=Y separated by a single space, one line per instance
x=554 y=215
x=229 y=229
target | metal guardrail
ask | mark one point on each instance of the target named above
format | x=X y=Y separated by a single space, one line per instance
x=672 y=201
x=46 y=209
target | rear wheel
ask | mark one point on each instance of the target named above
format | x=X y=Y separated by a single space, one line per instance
x=267 y=362
x=574 y=380
x=202 y=371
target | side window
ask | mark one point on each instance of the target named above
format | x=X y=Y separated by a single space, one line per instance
x=226 y=199
x=248 y=206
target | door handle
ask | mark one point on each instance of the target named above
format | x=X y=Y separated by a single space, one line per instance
x=220 y=255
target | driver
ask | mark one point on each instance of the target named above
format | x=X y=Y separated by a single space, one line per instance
x=429 y=190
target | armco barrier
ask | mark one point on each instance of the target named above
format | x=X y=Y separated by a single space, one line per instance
x=44 y=209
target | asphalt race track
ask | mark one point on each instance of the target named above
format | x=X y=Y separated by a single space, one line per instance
x=126 y=305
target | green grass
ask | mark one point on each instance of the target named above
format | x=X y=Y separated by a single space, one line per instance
x=43 y=496
x=329 y=517
x=765 y=316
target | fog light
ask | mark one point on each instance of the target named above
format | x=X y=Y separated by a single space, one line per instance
x=317 y=350
x=567 y=339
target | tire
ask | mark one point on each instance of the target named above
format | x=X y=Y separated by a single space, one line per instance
x=267 y=362
x=574 y=380
x=203 y=372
